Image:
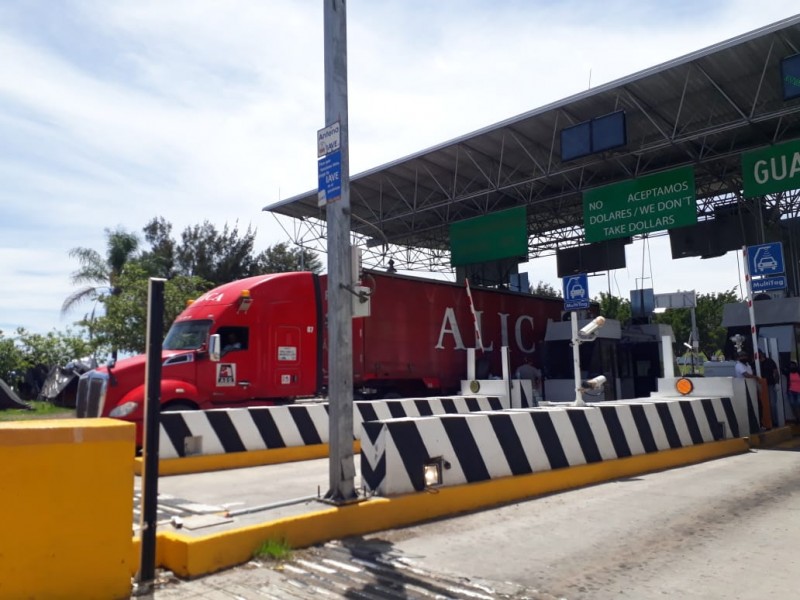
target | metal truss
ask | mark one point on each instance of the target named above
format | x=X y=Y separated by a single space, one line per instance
x=703 y=112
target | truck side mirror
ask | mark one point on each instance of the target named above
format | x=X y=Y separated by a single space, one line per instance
x=214 y=347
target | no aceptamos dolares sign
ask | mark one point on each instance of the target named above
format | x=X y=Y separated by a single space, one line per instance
x=650 y=203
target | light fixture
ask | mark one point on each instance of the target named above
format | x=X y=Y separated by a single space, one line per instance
x=244 y=301
x=432 y=471
x=684 y=386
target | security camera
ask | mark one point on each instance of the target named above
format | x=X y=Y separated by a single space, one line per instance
x=593 y=326
x=595 y=383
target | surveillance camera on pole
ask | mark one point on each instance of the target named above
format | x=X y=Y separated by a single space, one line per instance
x=587 y=333
x=596 y=383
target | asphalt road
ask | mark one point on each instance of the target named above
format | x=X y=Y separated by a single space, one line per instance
x=728 y=528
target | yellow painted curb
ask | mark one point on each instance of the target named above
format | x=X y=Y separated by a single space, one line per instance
x=193 y=556
x=773 y=437
x=238 y=460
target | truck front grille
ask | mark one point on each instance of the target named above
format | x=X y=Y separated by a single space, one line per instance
x=91 y=394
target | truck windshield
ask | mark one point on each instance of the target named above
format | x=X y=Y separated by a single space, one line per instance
x=187 y=335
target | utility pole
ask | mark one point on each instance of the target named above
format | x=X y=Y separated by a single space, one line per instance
x=340 y=276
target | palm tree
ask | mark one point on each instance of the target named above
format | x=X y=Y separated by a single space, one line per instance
x=101 y=274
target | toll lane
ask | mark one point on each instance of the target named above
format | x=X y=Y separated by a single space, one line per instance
x=728 y=528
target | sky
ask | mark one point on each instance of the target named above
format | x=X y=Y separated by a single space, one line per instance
x=116 y=112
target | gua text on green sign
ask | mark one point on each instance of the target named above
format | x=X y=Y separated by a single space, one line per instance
x=651 y=203
x=772 y=169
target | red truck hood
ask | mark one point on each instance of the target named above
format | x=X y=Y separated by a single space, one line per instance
x=138 y=361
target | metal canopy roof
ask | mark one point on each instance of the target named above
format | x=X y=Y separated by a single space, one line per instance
x=703 y=109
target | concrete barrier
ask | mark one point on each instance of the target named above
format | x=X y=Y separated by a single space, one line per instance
x=481 y=446
x=226 y=431
x=66 y=500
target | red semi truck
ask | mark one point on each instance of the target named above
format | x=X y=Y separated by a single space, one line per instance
x=273 y=334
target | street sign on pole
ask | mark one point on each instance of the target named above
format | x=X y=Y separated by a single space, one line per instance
x=329 y=139
x=768 y=284
x=576 y=292
x=329 y=170
x=765 y=259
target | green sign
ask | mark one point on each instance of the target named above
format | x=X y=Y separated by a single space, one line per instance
x=772 y=169
x=499 y=235
x=651 y=203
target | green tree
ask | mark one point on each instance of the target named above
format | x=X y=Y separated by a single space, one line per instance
x=545 y=289
x=27 y=350
x=614 y=307
x=124 y=324
x=101 y=273
x=709 y=319
x=218 y=257
x=205 y=257
x=282 y=259
x=160 y=260
x=11 y=359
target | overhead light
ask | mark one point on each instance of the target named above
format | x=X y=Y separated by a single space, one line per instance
x=432 y=471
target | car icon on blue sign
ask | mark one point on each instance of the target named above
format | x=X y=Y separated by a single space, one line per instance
x=577 y=291
x=767 y=263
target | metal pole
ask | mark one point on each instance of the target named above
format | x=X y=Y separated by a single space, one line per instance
x=695 y=338
x=576 y=359
x=666 y=351
x=152 y=408
x=340 y=308
x=751 y=310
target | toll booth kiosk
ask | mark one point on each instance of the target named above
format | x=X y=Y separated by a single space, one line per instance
x=630 y=358
x=598 y=357
x=778 y=331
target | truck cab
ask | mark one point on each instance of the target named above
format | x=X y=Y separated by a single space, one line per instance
x=270 y=337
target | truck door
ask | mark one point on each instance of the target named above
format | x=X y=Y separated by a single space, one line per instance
x=287 y=374
x=232 y=378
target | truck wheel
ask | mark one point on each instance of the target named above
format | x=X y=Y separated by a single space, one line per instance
x=175 y=406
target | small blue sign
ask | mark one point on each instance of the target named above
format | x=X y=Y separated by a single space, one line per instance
x=329 y=170
x=767 y=284
x=576 y=292
x=765 y=259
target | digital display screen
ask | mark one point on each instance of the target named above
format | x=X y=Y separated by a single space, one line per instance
x=591 y=258
x=599 y=134
x=576 y=141
x=790 y=76
x=643 y=302
x=609 y=132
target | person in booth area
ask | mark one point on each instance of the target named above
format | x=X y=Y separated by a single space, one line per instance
x=769 y=371
x=794 y=389
x=527 y=371
x=743 y=368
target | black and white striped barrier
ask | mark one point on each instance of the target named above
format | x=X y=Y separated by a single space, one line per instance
x=222 y=431
x=478 y=447
x=743 y=392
